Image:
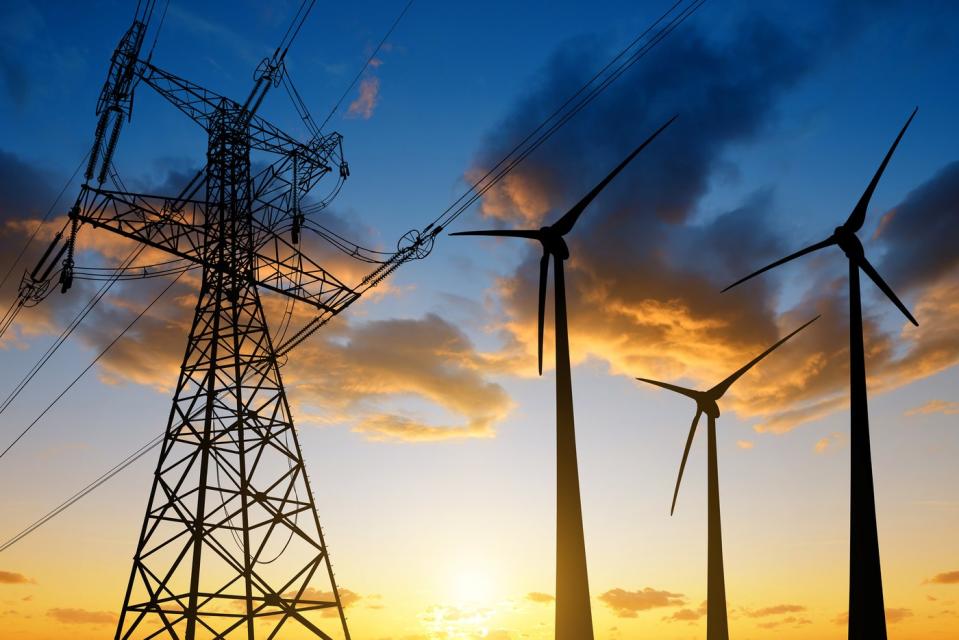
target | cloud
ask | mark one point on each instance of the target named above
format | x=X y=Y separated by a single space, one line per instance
x=893 y=615
x=82 y=616
x=794 y=621
x=949 y=577
x=774 y=610
x=648 y=259
x=745 y=444
x=377 y=363
x=401 y=380
x=687 y=615
x=626 y=604
x=364 y=103
x=536 y=596
x=11 y=577
x=828 y=443
x=935 y=406
x=916 y=233
x=347 y=598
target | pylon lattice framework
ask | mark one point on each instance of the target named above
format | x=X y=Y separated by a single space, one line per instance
x=230 y=494
x=231 y=543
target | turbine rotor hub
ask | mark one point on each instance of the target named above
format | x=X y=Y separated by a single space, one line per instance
x=849 y=243
x=554 y=243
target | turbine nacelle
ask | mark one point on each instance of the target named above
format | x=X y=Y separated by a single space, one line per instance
x=708 y=401
x=553 y=243
x=845 y=237
x=849 y=242
x=551 y=237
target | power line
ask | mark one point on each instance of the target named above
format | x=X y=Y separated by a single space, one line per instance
x=63 y=506
x=90 y=366
x=26 y=246
x=67 y=331
x=451 y=213
x=367 y=63
x=387 y=267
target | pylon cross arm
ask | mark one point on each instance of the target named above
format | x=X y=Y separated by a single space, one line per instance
x=203 y=105
x=278 y=265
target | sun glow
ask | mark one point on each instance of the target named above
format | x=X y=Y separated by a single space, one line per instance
x=472 y=585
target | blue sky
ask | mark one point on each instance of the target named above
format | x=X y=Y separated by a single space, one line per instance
x=776 y=168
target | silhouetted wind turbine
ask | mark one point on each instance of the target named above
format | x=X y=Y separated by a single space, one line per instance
x=573 y=613
x=867 y=617
x=717 y=627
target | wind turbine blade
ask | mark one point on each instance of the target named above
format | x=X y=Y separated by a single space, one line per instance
x=682 y=465
x=533 y=234
x=565 y=224
x=689 y=393
x=858 y=216
x=721 y=388
x=875 y=277
x=815 y=247
x=543 y=275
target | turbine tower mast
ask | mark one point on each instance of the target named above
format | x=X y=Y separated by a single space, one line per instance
x=574 y=617
x=231 y=543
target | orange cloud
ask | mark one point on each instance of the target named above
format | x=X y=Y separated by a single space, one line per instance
x=626 y=604
x=935 y=406
x=360 y=374
x=369 y=96
x=687 y=615
x=536 y=596
x=745 y=444
x=82 y=616
x=893 y=615
x=347 y=598
x=827 y=443
x=949 y=577
x=774 y=610
x=11 y=577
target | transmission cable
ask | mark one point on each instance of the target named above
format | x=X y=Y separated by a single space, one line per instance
x=63 y=506
x=367 y=64
x=90 y=366
x=450 y=214
x=453 y=211
x=44 y=219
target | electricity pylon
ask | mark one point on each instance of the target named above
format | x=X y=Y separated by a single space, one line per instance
x=231 y=544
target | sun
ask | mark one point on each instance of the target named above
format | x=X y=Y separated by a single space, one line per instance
x=473 y=585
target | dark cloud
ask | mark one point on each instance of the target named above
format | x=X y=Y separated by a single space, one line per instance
x=919 y=234
x=358 y=373
x=647 y=264
x=25 y=190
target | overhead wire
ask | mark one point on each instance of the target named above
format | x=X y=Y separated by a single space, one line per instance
x=53 y=206
x=367 y=64
x=476 y=191
x=102 y=353
x=450 y=214
x=453 y=211
x=66 y=504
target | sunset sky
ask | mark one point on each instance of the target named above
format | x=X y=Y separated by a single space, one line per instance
x=428 y=436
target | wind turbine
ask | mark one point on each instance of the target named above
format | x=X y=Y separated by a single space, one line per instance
x=573 y=613
x=717 y=627
x=867 y=616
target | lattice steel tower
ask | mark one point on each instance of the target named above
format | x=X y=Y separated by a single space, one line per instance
x=231 y=544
